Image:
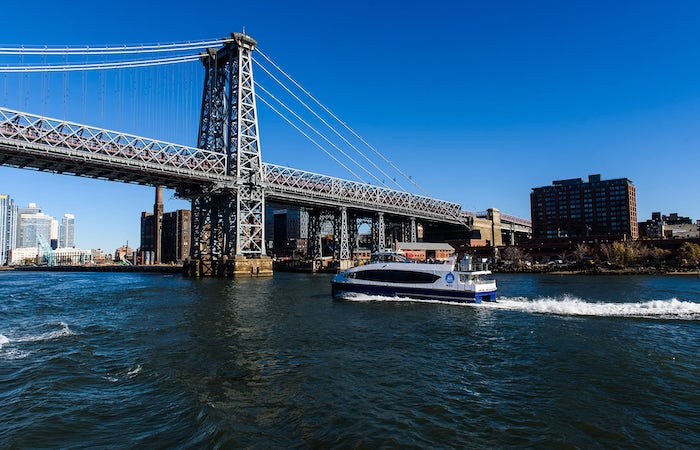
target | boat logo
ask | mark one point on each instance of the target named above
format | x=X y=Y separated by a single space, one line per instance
x=450 y=277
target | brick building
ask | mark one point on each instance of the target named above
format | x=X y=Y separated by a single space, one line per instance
x=574 y=208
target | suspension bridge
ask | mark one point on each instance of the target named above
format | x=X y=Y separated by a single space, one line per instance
x=224 y=175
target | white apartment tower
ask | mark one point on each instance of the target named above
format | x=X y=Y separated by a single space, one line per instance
x=66 y=238
x=8 y=225
x=33 y=225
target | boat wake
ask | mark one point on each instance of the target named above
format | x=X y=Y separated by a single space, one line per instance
x=672 y=309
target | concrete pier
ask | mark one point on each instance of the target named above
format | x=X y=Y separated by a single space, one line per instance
x=239 y=266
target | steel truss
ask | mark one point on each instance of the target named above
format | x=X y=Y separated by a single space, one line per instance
x=379 y=231
x=413 y=232
x=28 y=140
x=55 y=145
x=285 y=182
x=342 y=235
x=229 y=127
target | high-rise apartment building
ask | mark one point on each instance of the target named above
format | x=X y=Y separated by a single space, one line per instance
x=53 y=233
x=574 y=208
x=8 y=226
x=66 y=238
x=33 y=226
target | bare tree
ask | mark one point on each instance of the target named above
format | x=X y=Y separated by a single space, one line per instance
x=580 y=252
x=605 y=252
x=513 y=255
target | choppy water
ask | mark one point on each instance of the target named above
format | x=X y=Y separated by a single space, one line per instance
x=111 y=360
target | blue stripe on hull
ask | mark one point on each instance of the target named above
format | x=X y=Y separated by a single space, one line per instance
x=411 y=292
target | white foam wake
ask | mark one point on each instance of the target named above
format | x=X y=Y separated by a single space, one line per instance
x=672 y=309
x=135 y=371
x=3 y=340
x=62 y=331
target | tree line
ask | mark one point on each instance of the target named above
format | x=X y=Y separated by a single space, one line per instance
x=615 y=255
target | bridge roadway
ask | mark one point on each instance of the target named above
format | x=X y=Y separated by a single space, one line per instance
x=35 y=142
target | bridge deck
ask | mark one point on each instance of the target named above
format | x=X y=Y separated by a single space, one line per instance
x=30 y=141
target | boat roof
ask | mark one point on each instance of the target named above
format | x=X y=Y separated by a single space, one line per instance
x=424 y=246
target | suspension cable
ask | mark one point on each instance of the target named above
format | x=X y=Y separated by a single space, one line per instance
x=114 y=50
x=257 y=84
x=261 y=98
x=342 y=123
x=329 y=126
x=99 y=66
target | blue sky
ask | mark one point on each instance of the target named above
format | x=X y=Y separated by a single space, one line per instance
x=478 y=101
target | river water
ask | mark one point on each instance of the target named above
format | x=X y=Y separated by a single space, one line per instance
x=115 y=360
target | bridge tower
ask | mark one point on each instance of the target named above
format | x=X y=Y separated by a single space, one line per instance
x=228 y=222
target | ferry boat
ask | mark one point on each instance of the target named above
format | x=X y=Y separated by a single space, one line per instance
x=391 y=274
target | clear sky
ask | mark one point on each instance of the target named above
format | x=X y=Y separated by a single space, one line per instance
x=478 y=101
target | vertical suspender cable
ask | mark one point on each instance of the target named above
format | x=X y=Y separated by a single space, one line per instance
x=84 y=100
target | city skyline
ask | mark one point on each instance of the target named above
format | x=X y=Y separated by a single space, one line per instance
x=505 y=97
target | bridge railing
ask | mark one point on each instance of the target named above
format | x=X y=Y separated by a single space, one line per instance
x=32 y=129
x=357 y=194
x=516 y=220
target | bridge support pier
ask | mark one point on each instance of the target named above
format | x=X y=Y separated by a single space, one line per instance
x=408 y=231
x=238 y=266
x=228 y=220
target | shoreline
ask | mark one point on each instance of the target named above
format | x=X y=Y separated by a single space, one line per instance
x=178 y=269
x=603 y=272
x=97 y=268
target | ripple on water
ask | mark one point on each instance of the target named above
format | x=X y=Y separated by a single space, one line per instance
x=277 y=363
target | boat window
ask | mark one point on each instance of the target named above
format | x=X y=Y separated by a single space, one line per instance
x=463 y=277
x=390 y=257
x=396 y=276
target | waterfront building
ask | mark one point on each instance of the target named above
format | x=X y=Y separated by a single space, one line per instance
x=34 y=227
x=574 y=208
x=147 y=247
x=98 y=256
x=672 y=226
x=72 y=256
x=652 y=228
x=24 y=255
x=66 y=237
x=287 y=230
x=681 y=231
x=165 y=237
x=675 y=219
x=150 y=251
x=8 y=226
x=53 y=233
x=175 y=236
x=124 y=254
x=32 y=208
